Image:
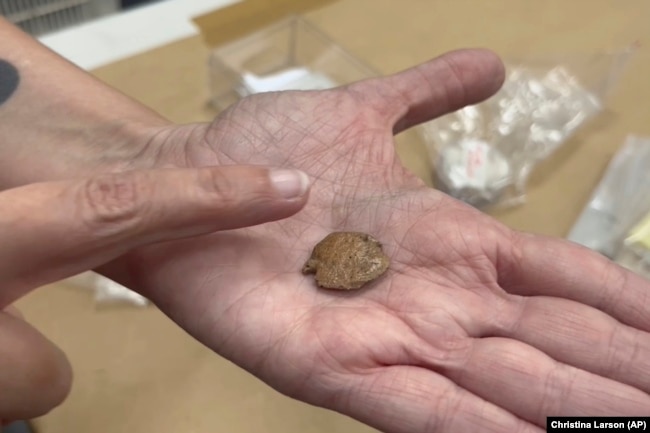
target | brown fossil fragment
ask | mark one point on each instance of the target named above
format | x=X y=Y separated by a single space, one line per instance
x=346 y=260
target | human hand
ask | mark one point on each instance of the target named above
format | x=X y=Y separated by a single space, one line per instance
x=50 y=231
x=474 y=327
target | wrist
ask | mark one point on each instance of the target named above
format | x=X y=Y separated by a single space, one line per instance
x=57 y=121
x=58 y=152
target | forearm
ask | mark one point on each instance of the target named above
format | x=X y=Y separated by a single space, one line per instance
x=58 y=121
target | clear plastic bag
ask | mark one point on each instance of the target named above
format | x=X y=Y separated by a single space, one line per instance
x=630 y=235
x=483 y=154
x=620 y=200
x=292 y=54
x=634 y=251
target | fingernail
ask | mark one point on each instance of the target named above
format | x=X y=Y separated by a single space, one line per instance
x=290 y=183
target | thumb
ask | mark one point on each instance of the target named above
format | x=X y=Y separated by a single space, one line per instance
x=35 y=375
x=49 y=231
x=441 y=85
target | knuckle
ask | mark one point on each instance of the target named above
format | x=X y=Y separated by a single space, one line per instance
x=220 y=187
x=113 y=202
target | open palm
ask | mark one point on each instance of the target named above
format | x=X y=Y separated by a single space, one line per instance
x=473 y=328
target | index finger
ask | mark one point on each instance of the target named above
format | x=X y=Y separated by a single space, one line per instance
x=54 y=230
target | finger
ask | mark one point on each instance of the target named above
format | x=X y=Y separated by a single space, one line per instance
x=442 y=85
x=35 y=375
x=51 y=231
x=531 y=385
x=406 y=399
x=532 y=265
x=583 y=337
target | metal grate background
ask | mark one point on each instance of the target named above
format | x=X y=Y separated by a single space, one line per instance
x=38 y=17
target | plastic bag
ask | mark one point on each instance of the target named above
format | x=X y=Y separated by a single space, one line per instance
x=634 y=253
x=107 y=292
x=619 y=201
x=630 y=236
x=483 y=154
x=291 y=54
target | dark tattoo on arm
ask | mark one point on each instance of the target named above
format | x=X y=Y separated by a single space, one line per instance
x=9 y=79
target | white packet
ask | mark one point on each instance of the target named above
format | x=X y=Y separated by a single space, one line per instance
x=107 y=292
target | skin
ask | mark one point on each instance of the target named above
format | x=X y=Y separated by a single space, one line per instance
x=51 y=230
x=60 y=217
x=474 y=327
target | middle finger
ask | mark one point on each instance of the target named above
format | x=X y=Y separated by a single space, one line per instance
x=532 y=385
x=581 y=336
